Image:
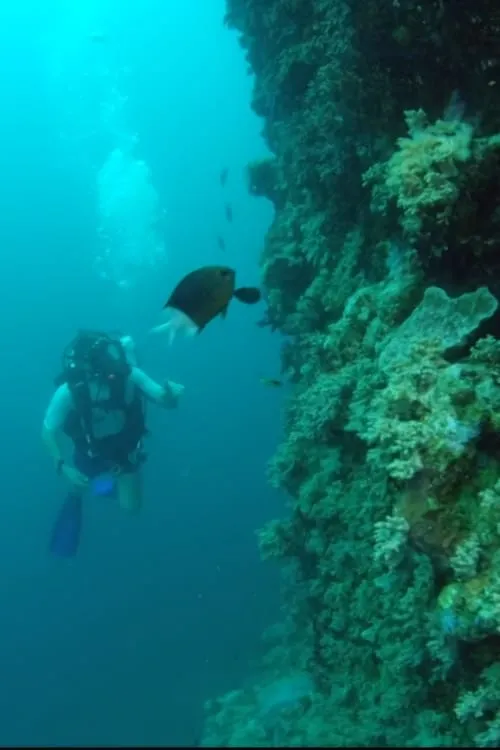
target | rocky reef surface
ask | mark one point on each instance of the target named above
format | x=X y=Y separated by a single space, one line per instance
x=382 y=271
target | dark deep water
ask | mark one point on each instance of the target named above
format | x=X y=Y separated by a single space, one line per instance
x=157 y=613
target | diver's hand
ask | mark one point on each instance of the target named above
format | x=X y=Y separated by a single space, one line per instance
x=75 y=477
x=173 y=391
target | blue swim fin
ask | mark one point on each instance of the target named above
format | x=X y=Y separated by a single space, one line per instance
x=67 y=528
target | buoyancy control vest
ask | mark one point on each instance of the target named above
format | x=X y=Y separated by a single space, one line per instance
x=96 y=370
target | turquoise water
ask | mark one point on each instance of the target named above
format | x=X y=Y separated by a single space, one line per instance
x=157 y=613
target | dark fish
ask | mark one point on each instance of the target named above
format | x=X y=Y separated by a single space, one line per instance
x=272 y=382
x=201 y=296
x=220 y=242
x=223 y=176
x=229 y=212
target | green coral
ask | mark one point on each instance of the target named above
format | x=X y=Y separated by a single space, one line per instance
x=264 y=180
x=420 y=416
x=426 y=172
x=439 y=318
x=389 y=541
x=480 y=708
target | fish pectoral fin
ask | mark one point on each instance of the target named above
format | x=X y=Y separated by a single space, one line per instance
x=223 y=312
x=248 y=294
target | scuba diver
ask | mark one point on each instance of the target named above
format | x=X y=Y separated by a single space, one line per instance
x=99 y=404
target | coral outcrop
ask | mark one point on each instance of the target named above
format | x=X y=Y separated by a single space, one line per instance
x=381 y=270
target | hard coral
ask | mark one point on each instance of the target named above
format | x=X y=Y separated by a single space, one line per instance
x=332 y=78
x=427 y=172
x=419 y=417
x=412 y=423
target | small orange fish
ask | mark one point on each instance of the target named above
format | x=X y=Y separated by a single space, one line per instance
x=202 y=295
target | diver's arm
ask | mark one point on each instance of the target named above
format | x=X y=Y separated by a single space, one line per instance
x=53 y=423
x=53 y=435
x=53 y=440
x=165 y=395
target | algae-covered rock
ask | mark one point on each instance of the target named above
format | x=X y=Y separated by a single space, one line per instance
x=263 y=180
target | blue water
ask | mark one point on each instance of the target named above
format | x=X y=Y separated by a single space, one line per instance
x=122 y=644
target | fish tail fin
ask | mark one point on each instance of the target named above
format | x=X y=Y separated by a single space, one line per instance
x=248 y=294
x=163 y=328
x=178 y=322
x=167 y=328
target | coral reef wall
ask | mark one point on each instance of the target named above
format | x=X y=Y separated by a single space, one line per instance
x=382 y=271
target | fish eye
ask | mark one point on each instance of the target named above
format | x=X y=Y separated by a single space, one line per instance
x=224 y=273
